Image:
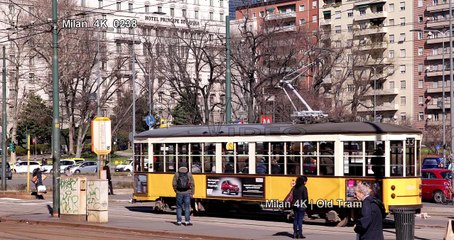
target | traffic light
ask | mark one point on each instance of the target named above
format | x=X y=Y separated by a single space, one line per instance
x=12 y=147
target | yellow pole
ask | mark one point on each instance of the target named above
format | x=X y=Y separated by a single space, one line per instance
x=28 y=162
x=101 y=165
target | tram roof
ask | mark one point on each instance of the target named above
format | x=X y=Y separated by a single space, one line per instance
x=276 y=129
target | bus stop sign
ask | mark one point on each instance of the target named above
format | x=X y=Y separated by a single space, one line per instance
x=101 y=135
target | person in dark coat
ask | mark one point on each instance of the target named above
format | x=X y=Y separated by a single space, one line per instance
x=300 y=201
x=109 y=177
x=370 y=225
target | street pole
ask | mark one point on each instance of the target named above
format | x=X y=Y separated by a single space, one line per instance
x=98 y=96
x=4 y=151
x=375 y=94
x=56 y=114
x=228 y=90
x=133 y=79
x=443 y=99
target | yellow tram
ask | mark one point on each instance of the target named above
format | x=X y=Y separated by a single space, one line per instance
x=258 y=163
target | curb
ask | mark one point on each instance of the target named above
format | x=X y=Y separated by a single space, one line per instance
x=88 y=225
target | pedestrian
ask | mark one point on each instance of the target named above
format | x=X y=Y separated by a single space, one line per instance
x=183 y=185
x=37 y=178
x=300 y=201
x=109 y=177
x=370 y=225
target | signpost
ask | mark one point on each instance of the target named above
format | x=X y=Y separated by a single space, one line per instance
x=101 y=139
x=150 y=120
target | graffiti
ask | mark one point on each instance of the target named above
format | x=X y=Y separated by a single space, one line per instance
x=69 y=203
x=94 y=199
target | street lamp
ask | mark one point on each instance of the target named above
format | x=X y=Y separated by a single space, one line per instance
x=429 y=32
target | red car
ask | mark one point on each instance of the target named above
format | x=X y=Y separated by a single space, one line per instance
x=228 y=188
x=436 y=184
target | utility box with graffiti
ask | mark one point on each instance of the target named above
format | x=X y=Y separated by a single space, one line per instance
x=97 y=200
x=73 y=198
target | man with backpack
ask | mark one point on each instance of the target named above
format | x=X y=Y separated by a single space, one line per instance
x=183 y=185
x=370 y=225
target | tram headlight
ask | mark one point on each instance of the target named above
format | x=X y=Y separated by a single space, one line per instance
x=393 y=187
x=393 y=196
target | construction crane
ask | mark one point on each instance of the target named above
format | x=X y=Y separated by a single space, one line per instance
x=308 y=116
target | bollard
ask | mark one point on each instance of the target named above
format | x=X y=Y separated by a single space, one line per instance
x=405 y=223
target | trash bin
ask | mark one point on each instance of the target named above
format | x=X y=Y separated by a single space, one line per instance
x=404 y=219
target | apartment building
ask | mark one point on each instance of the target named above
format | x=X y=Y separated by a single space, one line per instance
x=378 y=31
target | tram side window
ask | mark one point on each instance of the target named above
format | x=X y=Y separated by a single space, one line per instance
x=277 y=155
x=170 y=159
x=158 y=152
x=209 y=157
x=242 y=152
x=293 y=158
x=327 y=158
x=195 y=157
x=262 y=155
x=396 y=158
x=228 y=157
x=142 y=164
x=375 y=155
x=353 y=158
x=183 y=155
x=410 y=157
x=310 y=158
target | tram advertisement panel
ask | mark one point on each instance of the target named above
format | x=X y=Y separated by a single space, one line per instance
x=235 y=187
x=352 y=183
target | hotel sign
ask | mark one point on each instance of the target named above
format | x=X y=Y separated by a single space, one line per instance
x=149 y=18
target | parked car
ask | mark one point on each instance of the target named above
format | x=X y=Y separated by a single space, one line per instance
x=432 y=162
x=85 y=167
x=127 y=167
x=227 y=187
x=9 y=174
x=77 y=160
x=64 y=163
x=21 y=167
x=436 y=184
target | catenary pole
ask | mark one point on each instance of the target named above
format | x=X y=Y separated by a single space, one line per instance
x=228 y=90
x=4 y=152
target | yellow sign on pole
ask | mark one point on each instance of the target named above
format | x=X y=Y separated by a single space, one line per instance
x=101 y=135
x=230 y=146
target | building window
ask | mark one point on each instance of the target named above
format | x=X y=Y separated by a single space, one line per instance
x=421 y=116
x=211 y=3
x=183 y=12
x=350 y=28
x=211 y=15
x=420 y=84
x=403 y=116
x=302 y=21
x=391 y=22
x=362 y=12
x=420 y=100
x=338 y=14
x=221 y=17
x=402 y=38
x=147 y=8
x=31 y=61
x=172 y=12
x=338 y=29
x=82 y=3
x=302 y=7
x=420 y=18
x=391 y=7
x=391 y=53
x=130 y=7
x=420 y=3
x=403 y=84
x=402 y=69
x=420 y=51
x=349 y=13
x=159 y=9
x=391 y=85
x=403 y=100
x=350 y=88
x=402 y=6
x=402 y=21
x=420 y=35
x=118 y=47
x=221 y=3
x=420 y=67
x=403 y=53
x=196 y=14
x=391 y=38
x=118 y=30
x=262 y=14
x=100 y=3
x=314 y=4
x=314 y=18
x=118 y=6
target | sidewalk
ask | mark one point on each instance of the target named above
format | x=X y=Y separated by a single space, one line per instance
x=137 y=217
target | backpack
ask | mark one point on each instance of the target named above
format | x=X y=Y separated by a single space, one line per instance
x=183 y=183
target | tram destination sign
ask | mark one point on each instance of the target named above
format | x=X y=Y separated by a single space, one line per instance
x=235 y=187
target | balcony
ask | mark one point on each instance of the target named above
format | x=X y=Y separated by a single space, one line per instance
x=438 y=7
x=291 y=28
x=370 y=15
x=325 y=22
x=382 y=92
x=380 y=108
x=436 y=106
x=437 y=73
x=438 y=57
x=370 y=31
x=438 y=40
x=372 y=46
x=438 y=23
x=367 y=2
x=439 y=89
x=280 y=16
